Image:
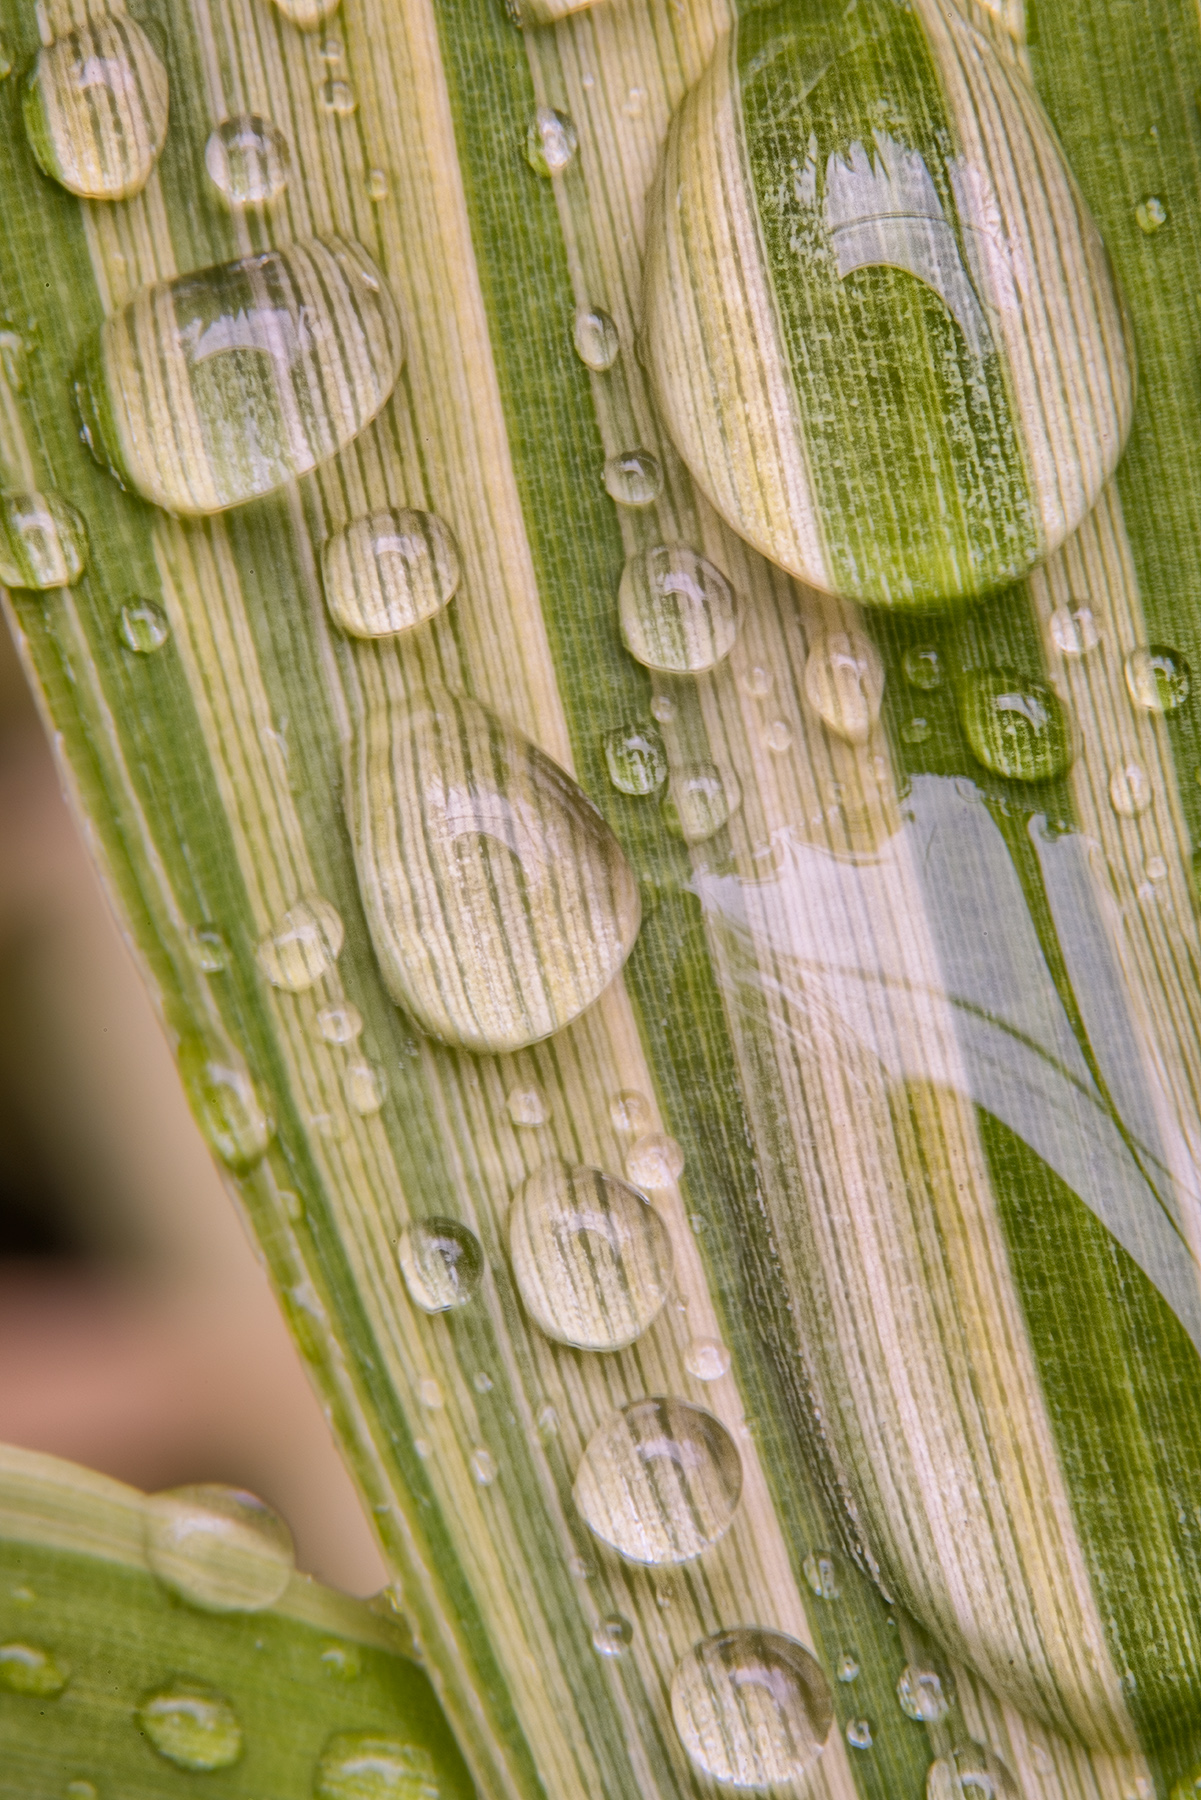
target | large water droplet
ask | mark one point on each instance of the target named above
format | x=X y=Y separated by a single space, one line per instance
x=227 y=1106
x=677 y=611
x=633 y=478
x=144 y=627
x=591 y=1258
x=637 y=760
x=1159 y=679
x=43 y=543
x=707 y=1359
x=655 y=1161
x=389 y=571
x=366 y=1765
x=844 y=683
x=612 y=1636
x=218 y=1548
x=192 y=1726
x=970 y=1772
x=699 y=801
x=247 y=159
x=304 y=946
x=921 y=1695
x=752 y=1707
x=550 y=142
x=1015 y=727
x=596 y=339
x=1130 y=790
x=1074 y=629
x=212 y=388
x=95 y=105
x=659 y=1481
x=500 y=904
x=442 y=1263
x=28 y=1669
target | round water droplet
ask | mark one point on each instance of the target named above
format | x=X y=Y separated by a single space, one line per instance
x=591 y=1257
x=389 y=571
x=208 y=949
x=43 y=542
x=442 y=1263
x=859 y=1734
x=821 y=1574
x=430 y=1394
x=527 y=1106
x=970 y=1772
x=844 y=683
x=1074 y=630
x=304 y=946
x=1151 y=214
x=1013 y=726
x=247 y=159
x=218 y=1548
x=95 y=106
x=633 y=478
x=338 y=97
x=377 y=185
x=227 y=1106
x=699 y=801
x=596 y=339
x=340 y=1024
x=663 y=708
x=192 y=1726
x=209 y=389
x=366 y=1086
x=921 y=1695
x=677 y=611
x=550 y=142
x=922 y=666
x=1159 y=679
x=612 y=1636
x=659 y=1481
x=778 y=736
x=630 y=1111
x=482 y=1383
x=1156 y=868
x=848 y=1666
x=707 y=1359
x=331 y=47
x=483 y=1467
x=915 y=731
x=28 y=1669
x=752 y=1707
x=365 y=1765
x=144 y=627
x=655 y=1161
x=1130 y=790
x=341 y=1661
x=636 y=759
x=757 y=683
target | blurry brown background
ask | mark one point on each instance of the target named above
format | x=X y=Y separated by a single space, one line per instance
x=137 y=1332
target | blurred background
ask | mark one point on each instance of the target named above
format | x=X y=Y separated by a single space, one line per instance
x=138 y=1335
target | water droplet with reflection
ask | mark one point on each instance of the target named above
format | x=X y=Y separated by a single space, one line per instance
x=43 y=541
x=227 y=1105
x=633 y=478
x=95 y=104
x=920 y=1692
x=247 y=160
x=677 y=611
x=655 y=1161
x=1015 y=727
x=636 y=759
x=970 y=1772
x=192 y=1726
x=29 y=1669
x=390 y=571
x=612 y=1636
x=659 y=1481
x=1159 y=679
x=596 y=339
x=844 y=684
x=550 y=142
x=218 y=1548
x=304 y=946
x=145 y=627
x=707 y=1359
x=442 y=1264
x=752 y=1708
x=1074 y=629
x=366 y=1765
x=700 y=799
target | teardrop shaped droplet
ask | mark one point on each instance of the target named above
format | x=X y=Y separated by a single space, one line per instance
x=28 y=1669
x=307 y=15
x=366 y=1765
x=752 y=1707
x=1013 y=726
x=95 y=106
x=596 y=339
x=389 y=572
x=677 y=611
x=655 y=1161
x=550 y=142
x=612 y=1636
x=970 y=1772
x=844 y=684
x=212 y=388
x=1074 y=629
x=499 y=902
x=633 y=478
x=442 y=1263
x=43 y=542
x=192 y=1726
x=920 y=1692
x=699 y=801
x=636 y=759
x=837 y=199
x=227 y=1105
x=591 y=1257
x=848 y=1666
x=659 y=1481
x=247 y=160
x=1159 y=679
x=218 y=1548
x=145 y=627
x=304 y=946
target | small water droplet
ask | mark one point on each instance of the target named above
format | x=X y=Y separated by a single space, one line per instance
x=596 y=339
x=144 y=627
x=821 y=1574
x=1130 y=790
x=377 y=185
x=591 y=1257
x=423 y=1447
x=915 y=731
x=612 y=1636
x=390 y=571
x=630 y=1111
x=247 y=160
x=1156 y=868
x=338 y=97
x=527 y=1105
x=752 y=1707
x=81 y=1790
x=859 y=1734
x=844 y=684
x=366 y=1086
x=550 y=142
x=1151 y=214
x=659 y=1481
x=633 y=478
x=922 y=666
x=1159 y=679
x=921 y=1695
x=699 y=801
x=1074 y=629
x=307 y=15
x=12 y=357
x=43 y=542
x=331 y=47
x=23 y=1594
x=707 y=1359
x=208 y=949
x=654 y=1161
x=227 y=1106
x=95 y=105
x=483 y=1467
x=677 y=611
x=342 y=1661
x=442 y=1264
x=1015 y=727
x=848 y=1666
x=757 y=682
x=192 y=1726
x=6 y=59
x=581 y=1568
x=482 y=1383
x=970 y=1772
x=778 y=736
x=304 y=946
x=633 y=103
x=663 y=708
x=430 y=1394
x=28 y=1669
x=366 y=1765
x=340 y=1024
x=218 y=1548
x=636 y=759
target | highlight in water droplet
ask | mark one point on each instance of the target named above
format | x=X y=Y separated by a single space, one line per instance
x=848 y=1666
x=365 y=1765
x=630 y=1111
x=304 y=946
x=636 y=759
x=677 y=611
x=752 y=1708
x=633 y=478
x=550 y=142
x=659 y=1481
x=1015 y=727
x=208 y=949
x=970 y=1772
x=844 y=683
x=922 y=666
x=29 y=1669
x=95 y=106
x=859 y=1734
x=1074 y=629
x=247 y=159
x=596 y=339
x=442 y=1264
x=377 y=185
x=1158 y=678
x=145 y=627
x=655 y=1161
x=43 y=541
x=218 y=1548
x=390 y=571
x=192 y=1726
x=1130 y=790
x=341 y=1023
x=483 y=1467
x=699 y=801
x=915 y=730
x=366 y=1086
x=591 y=1257
x=341 y=1661
x=338 y=97
x=663 y=708
x=226 y=1104
x=527 y=1106
x=612 y=1636
x=430 y=1394
x=757 y=682
x=821 y=1574
x=778 y=736
x=707 y=1359
x=1151 y=215
x=920 y=1692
